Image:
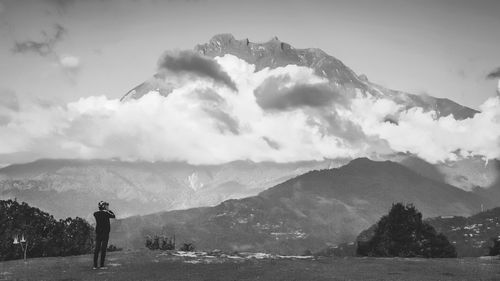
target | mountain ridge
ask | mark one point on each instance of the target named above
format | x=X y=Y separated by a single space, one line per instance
x=275 y=53
x=310 y=211
x=140 y=187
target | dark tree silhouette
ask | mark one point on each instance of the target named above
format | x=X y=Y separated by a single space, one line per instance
x=187 y=247
x=45 y=235
x=495 y=249
x=402 y=233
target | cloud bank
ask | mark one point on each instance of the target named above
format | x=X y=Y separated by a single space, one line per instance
x=223 y=110
x=192 y=62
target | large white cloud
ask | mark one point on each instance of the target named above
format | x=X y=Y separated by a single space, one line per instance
x=431 y=138
x=202 y=121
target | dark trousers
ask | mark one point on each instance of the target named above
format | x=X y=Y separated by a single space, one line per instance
x=101 y=244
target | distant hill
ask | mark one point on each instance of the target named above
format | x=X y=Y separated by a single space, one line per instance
x=470 y=235
x=471 y=174
x=71 y=187
x=310 y=211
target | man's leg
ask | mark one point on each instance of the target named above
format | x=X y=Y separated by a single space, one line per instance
x=104 y=246
x=98 y=242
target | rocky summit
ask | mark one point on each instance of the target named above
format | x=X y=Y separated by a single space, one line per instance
x=276 y=53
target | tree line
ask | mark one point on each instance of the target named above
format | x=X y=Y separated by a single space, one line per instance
x=45 y=235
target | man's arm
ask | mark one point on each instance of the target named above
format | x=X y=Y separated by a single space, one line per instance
x=111 y=214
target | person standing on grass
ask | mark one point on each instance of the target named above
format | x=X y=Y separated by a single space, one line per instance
x=102 y=231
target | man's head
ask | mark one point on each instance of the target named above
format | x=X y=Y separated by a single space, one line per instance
x=102 y=205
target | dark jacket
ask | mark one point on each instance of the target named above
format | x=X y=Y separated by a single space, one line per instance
x=102 y=221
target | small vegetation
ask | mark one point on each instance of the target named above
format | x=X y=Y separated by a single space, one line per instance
x=187 y=247
x=162 y=242
x=402 y=233
x=113 y=248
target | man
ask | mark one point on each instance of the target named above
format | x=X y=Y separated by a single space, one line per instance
x=102 y=231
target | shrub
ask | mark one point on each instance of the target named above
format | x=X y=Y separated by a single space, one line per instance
x=495 y=249
x=160 y=242
x=402 y=233
x=167 y=243
x=187 y=247
x=113 y=248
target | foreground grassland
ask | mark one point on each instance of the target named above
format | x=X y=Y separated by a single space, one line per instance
x=149 y=265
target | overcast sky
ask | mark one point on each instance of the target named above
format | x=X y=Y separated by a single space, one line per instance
x=61 y=50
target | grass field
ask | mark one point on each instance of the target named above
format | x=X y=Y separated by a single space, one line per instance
x=149 y=265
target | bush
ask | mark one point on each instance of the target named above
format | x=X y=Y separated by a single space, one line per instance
x=495 y=249
x=187 y=247
x=113 y=248
x=402 y=233
x=167 y=244
x=160 y=242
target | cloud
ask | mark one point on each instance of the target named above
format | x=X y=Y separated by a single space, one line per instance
x=271 y=143
x=70 y=65
x=69 y=62
x=495 y=74
x=273 y=95
x=202 y=122
x=424 y=134
x=43 y=47
x=192 y=62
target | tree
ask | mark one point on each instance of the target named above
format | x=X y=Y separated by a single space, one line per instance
x=402 y=233
x=149 y=242
x=77 y=236
x=495 y=249
x=45 y=235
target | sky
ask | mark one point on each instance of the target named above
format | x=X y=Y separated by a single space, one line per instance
x=65 y=63
x=444 y=48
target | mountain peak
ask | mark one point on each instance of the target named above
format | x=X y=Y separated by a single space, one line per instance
x=367 y=164
x=367 y=161
x=276 y=53
x=222 y=39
